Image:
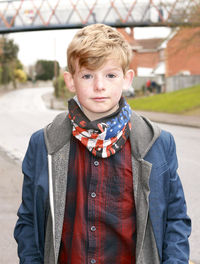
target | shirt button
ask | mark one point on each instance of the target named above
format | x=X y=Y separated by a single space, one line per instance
x=93 y=228
x=93 y=195
x=96 y=163
x=93 y=261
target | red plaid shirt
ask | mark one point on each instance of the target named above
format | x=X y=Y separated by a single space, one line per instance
x=100 y=217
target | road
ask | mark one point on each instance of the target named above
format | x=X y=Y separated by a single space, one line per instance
x=23 y=111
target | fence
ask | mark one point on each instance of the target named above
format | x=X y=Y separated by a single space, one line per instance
x=170 y=84
x=178 y=82
x=140 y=82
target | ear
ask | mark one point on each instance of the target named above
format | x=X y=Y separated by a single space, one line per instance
x=128 y=79
x=69 y=82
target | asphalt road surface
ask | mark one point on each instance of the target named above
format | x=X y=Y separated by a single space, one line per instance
x=22 y=112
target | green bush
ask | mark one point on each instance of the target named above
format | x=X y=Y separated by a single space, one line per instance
x=45 y=69
x=60 y=89
x=20 y=75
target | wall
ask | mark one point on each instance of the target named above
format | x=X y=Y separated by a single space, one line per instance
x=144 y=59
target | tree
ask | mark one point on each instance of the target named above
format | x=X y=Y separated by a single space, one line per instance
x=180 y=12
x=8 y=60
x=189 y=31
x=183 y=47
x=46 y=69
x=9 y=50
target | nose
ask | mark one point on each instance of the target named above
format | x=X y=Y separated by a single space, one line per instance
x=98 y=83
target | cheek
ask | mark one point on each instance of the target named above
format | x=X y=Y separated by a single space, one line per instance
x=117 y=90
x=81 y=91
x=117 y=97
x=82 y=95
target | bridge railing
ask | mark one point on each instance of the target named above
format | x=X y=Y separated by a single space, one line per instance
x=22 y=15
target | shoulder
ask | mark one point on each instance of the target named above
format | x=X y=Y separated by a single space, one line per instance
x=163 y=151
x=37 y=138
x=166 y=141
x=38 y=135
x=36 y=154
x=144 y=134
x=36 y=145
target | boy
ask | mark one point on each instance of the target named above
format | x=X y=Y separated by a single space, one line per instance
x=100 y=183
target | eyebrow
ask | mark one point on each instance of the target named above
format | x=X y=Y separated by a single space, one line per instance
x=114 y=69
x=108 y=69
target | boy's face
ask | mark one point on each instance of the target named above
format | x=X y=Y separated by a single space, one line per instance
x=99 y=91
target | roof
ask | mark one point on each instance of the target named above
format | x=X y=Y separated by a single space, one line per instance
x=141 y=44
x=147 y=44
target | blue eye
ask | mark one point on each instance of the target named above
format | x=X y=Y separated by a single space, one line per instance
x=87 y=76
x=110 y=75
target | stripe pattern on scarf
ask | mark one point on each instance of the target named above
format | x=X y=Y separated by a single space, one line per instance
x=105 y=136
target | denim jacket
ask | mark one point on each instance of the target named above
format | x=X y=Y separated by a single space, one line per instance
x=163 y=226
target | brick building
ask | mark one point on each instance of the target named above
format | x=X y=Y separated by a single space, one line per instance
x=146 y=53
x=180 y=52
x=183 y=53
x=173 y=62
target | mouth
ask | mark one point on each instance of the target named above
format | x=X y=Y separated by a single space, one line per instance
x=99 y=98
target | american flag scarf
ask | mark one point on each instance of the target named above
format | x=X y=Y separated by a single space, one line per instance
x=105 y=136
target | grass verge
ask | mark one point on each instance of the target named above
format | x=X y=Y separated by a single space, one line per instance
x=178 y=102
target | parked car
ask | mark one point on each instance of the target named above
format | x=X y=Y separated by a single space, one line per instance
x=129 y=92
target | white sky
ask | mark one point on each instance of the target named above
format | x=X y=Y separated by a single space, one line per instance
x=52 y=44
x=47 y=45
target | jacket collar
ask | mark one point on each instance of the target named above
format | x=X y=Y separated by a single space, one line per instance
x=144 y=134
x=57 y=133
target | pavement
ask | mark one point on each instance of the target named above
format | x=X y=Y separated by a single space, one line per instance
x=10 y=196
x=172 y=119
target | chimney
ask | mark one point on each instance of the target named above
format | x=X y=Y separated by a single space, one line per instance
x=132 y=32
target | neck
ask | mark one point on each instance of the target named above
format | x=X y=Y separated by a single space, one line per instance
x=95 y=116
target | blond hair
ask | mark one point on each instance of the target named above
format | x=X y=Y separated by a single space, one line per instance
x=94 y=44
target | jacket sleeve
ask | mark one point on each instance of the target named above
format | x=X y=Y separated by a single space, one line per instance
x=178 y=226
x=24 y=232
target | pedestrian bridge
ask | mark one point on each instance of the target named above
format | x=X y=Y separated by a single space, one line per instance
x=29 y=15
